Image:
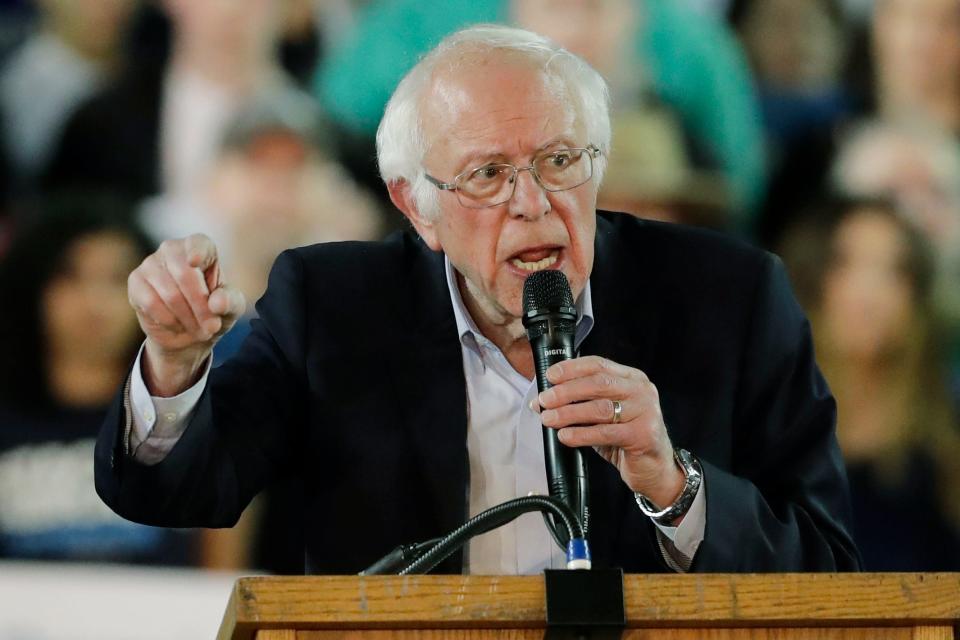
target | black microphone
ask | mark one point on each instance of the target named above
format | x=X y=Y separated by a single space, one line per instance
x=550 y=319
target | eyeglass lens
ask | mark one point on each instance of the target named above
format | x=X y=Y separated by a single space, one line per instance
x=495 y=183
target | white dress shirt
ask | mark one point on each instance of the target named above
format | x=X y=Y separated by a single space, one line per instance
x=504 y=446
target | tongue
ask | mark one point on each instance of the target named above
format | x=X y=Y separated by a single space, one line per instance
x=534 y=255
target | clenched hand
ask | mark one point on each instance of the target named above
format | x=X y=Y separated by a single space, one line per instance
x=183 y=308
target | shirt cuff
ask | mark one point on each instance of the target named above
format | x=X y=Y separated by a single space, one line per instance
x=679 y=544
x=158 y=423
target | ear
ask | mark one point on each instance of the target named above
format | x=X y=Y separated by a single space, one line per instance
x=402 y=197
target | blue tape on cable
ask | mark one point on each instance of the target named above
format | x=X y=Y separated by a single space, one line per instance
x=578 y=554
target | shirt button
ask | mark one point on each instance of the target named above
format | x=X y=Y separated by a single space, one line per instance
x=169 y=417
x=148 y=416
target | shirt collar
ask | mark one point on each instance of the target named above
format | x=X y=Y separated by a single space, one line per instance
x=470 y=335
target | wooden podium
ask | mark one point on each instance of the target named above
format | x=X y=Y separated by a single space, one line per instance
x=866 y=606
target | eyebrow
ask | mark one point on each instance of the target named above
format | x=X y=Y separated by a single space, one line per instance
x=478 y=159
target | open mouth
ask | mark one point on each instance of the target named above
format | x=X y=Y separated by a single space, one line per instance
x=536 y=259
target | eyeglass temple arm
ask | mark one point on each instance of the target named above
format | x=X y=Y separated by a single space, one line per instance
x=445 y=186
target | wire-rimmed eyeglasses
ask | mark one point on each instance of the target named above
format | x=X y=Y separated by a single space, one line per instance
x=494 y=184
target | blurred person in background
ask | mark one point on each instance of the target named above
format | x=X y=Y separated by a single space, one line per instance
x=73 y=50
x=689 y=61
x=157 y=129
x=917 y=165
x=301 y=40
x=62 y=355
x=916 y=55
x=864 y=275
x=798 y=51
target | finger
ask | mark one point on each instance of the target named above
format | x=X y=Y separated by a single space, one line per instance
x=589 y=365
x=598 y=385
x=193 y=286
x=200 y=251
x=600 y=435
x=147 y=304
x=582 y=413
x=160 y=323
x=227 y=302
x=169 y=293
x=212 y=276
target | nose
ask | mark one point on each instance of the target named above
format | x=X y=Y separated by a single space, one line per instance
x=529 y=200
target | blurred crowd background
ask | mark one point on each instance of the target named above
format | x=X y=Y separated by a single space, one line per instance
x=827 y=131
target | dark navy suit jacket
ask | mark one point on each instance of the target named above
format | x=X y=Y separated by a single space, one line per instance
x=353 y=378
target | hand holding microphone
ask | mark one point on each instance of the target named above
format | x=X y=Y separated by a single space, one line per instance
x=550 y=319
x=596 y=402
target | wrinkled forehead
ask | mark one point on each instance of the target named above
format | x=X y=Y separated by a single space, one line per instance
x=473 y=94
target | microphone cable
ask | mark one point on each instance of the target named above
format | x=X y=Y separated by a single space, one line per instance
x=425 y=559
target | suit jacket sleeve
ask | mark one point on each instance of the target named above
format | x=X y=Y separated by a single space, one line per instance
x=242 y=432
x=784 y=504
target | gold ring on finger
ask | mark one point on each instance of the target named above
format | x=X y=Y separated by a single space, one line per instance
x=617 y=411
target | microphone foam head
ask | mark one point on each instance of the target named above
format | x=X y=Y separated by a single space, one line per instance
x=547 y=289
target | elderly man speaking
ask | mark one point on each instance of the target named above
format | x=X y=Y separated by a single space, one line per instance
x=396 y=380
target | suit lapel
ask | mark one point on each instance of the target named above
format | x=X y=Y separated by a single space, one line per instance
x=430 y=381
x=626 y=328
x=625 y=332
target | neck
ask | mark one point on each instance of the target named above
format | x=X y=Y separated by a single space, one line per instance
x=870 y=411
x=502 y=329
x=868 y=376
x=82 y=382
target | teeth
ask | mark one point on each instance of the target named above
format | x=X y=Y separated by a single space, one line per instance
x=535 y=266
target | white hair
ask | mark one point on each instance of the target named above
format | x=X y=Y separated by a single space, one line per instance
x=401 y=138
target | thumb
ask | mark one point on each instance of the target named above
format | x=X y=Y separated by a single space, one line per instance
x=227 y=301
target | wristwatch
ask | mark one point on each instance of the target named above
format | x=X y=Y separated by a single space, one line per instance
x=693 y=476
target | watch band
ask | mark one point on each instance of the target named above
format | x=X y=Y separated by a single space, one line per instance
x=693 y=476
